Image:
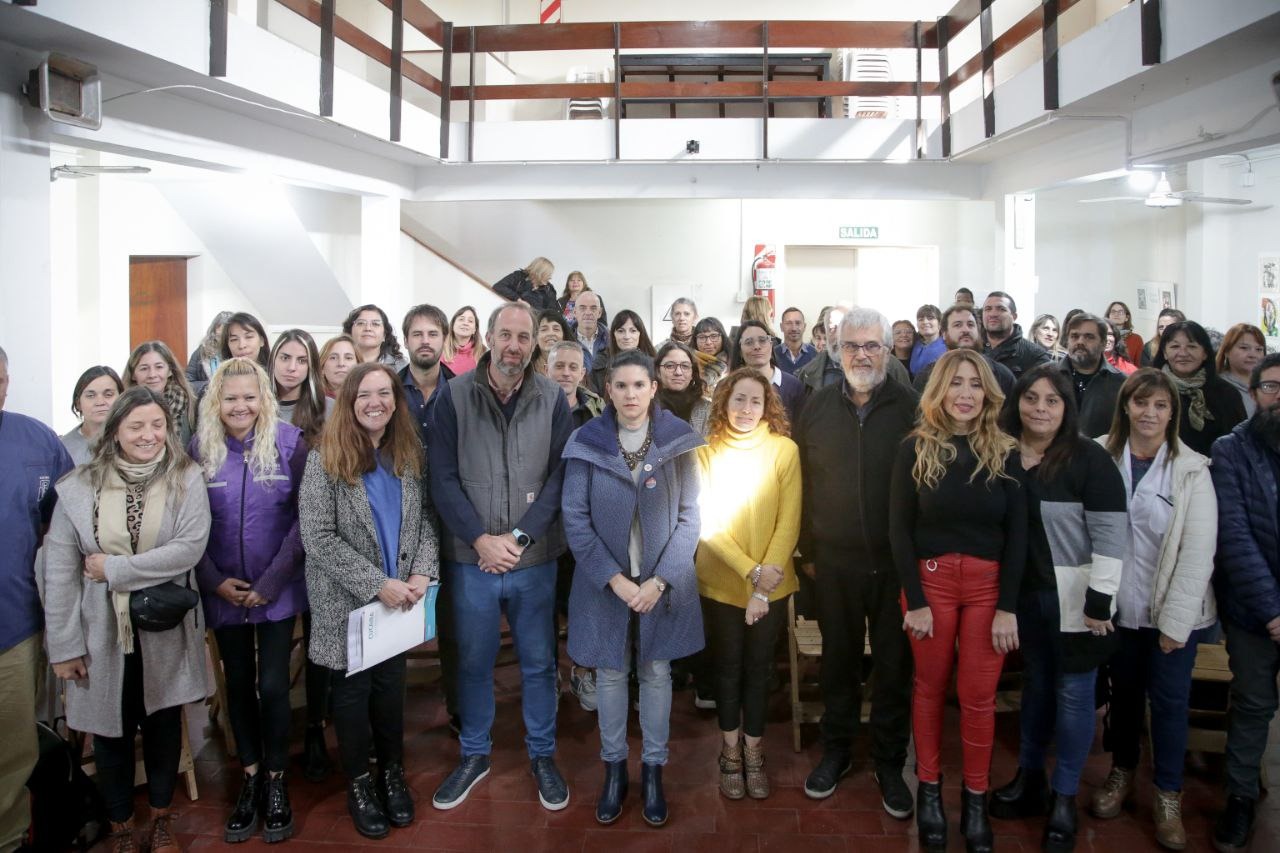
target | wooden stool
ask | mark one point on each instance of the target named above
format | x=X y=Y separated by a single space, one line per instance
x=804 y=645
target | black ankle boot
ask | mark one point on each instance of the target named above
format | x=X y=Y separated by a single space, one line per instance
x=1026 y=796
x=931 y=820
x=366 y=812
x=1060 y=829
x=277 y=814
x=974 y=825
x=655 y=803
x=315 y=755
x=397 y=802
x=243 y=822
x=609 y=808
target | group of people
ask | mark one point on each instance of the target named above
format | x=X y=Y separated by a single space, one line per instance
x=949 y=493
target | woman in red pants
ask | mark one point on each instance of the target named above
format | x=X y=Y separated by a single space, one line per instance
x=958 y=527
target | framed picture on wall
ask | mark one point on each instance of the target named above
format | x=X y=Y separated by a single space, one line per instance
x=1269 y=273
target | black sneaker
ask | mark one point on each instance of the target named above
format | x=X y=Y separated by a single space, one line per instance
x=552 y=791
x=895 y=796
x=1231 y=832
x=826 y=776
x=458 y=784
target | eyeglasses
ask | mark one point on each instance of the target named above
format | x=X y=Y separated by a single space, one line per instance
x=871 y=348
x=707 y=337
x=676 y=367
x=755 y=342
x=1270 y=388
x=368 y=324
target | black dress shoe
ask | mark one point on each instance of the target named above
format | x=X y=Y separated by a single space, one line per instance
x=397 y=802
x=1234 y=825
x=609 y=808
x=974 y=825
x=315 y=755
x=243 y=822
x=1027 y=795
x=277 y=814
x=931 y=820
x=1060 y=828
x=366 y=812
x=655 y=803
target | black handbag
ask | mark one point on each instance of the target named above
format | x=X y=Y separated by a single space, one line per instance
x=161 y=607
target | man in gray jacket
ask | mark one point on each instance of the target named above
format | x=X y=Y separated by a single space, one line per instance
x=496 y=473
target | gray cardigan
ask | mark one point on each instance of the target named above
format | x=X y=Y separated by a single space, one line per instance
x=344 y=562
x=80 y=621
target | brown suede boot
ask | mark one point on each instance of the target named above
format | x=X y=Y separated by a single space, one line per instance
x=757 y=781
x=122 y=838
x=1167 y=811
x=162 y=837
x=731 y=782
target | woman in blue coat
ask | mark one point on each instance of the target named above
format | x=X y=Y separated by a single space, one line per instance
x=631 y=517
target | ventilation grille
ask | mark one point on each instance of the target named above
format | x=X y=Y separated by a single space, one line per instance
x=868 y=65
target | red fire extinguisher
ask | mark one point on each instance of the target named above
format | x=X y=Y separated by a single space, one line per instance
x=763 y=264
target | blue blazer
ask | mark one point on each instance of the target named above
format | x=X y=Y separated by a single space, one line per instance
x=598 y=502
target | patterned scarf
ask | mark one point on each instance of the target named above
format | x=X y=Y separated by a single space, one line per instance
x=176 y=401
x=1191 y=388
x=130 y=505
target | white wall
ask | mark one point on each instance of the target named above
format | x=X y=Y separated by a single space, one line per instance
x=703 y=247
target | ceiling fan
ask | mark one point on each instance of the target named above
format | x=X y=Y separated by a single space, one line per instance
x=1164 y=196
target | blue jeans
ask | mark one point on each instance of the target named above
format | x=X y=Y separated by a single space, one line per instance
x=527 y=597
x=1056 y=705
x=1140 y=671
x=613 y=697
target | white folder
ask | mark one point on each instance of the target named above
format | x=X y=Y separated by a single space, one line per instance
x=376 y=633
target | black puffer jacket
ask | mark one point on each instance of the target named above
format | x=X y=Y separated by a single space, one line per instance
x=518 y=287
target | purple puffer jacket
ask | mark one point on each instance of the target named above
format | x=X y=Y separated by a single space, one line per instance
x=255 y=534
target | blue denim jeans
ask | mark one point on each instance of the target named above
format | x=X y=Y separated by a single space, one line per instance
x=1140 y=671
x=613 y=698
x=527 y=597
x=1056 y=706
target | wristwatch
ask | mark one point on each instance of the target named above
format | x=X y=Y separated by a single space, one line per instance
x=524 y=540
x=660 y=584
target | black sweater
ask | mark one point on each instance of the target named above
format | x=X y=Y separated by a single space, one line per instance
x=982 y=520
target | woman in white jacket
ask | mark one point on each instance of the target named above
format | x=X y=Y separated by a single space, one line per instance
x=1165 y=602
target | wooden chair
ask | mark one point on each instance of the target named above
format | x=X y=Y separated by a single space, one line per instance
x=1207 y=726
x=186 y=762
x=804 y=646
x=218 y=714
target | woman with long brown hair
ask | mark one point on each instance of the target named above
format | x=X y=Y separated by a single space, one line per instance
x=958 y=528
x=134 y=517
x=750 y=502
x=152 y=365
x=295 y=378
x=368 y=533
x=464 y=344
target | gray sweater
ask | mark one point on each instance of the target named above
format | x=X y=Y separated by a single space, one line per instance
x=80 y=621
x=344 y=562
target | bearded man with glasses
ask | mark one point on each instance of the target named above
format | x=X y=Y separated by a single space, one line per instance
x=849 y=434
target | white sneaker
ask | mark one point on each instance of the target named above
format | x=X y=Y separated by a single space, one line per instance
x=583 y=683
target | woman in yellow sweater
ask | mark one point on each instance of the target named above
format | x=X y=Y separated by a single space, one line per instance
x=750 y=505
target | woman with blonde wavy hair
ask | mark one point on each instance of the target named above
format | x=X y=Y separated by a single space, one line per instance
x=958 y=528
x=252 y=578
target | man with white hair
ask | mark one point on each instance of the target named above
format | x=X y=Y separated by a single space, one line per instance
x=824 y=369
x=848 y=434
x=32 y=459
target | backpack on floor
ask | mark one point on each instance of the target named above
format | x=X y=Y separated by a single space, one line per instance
x=67 y=810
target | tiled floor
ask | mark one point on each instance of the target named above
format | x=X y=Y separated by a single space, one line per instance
x=503 y=812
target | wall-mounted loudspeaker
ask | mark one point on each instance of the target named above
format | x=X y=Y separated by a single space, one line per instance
x=67 y=91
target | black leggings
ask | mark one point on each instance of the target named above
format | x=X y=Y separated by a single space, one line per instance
x=317 y=677
x=740 y=658
x=258 y=689
x=370 y=703
x=161 y=749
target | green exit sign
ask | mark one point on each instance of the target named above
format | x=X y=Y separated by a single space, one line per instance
x=859 y=232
